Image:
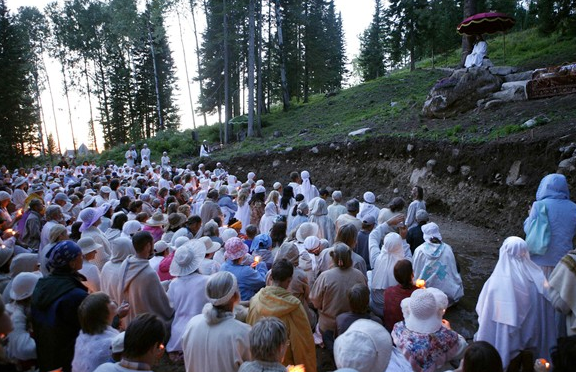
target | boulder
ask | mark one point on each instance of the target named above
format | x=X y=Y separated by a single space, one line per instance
x=512 y=91
x=465 y=170
x=514 y=173
x=519 y=76
x=503 y=70
x=417 y=175
x=360 y=132
x=460 y=92
x=276 y=163
x=314 y=150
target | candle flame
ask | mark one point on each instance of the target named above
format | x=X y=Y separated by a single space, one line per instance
x=257 y=259
x=421 y=283
x=544 y=362
x=298 y=368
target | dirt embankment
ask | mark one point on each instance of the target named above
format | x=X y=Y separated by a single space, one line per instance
x=487 y=185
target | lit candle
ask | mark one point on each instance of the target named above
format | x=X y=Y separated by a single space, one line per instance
x=421 y=283
x=19 y=212
x=545 y=363
x=10 y=231
x=298 y=368
x=257 y=259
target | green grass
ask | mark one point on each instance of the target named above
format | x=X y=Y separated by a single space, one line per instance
x=528 y=49
x=389 y=105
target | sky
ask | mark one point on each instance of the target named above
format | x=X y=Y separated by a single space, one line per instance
x=356 y=16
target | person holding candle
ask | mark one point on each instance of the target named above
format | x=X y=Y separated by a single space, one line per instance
x=394 y=295
x=251 y=278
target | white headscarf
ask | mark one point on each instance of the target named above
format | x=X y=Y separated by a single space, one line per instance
x=306 y=187
x=504 y=297
x=392 y=251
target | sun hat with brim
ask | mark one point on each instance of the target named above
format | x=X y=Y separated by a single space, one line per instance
x=36 y=188
x=131 y=227
x=305 y=230
x=187 y=258
x=61 y=196
x=157 y=219
x=4 y=195
x=176 y=220
x=23 y=286
x=160 y=246
x=6 y=254
x=366 y=346
x=19 y=181
x=89 y=216
x=431 y=230
x=117 y=345
x=421 y=312
x=211 y=246
x=105 y=189
x=88 y=245
x=87 y=201
x=180 y=241
x=235 y=249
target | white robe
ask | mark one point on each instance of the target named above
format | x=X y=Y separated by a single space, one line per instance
x=145 y=155
x=477 y=56
x=436 y=264
x=187 y=296
x=511 y=308
x=383 y=272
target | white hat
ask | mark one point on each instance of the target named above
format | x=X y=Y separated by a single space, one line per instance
x=180 y=241
x=259 y=189
x=23 y=285
x=89 y=216
x=19 y=181
x=366 y=346
x=431 y=230
x=131 y=227
x=227 y=234
x=87 y=201
x=369 y=197
x=88 y=245
x=312 y=242
x=4 y=195
x=260 y=183
x=157 y=219
x=305 y=230
x=117 y=345
x=187 y=258
x=106 y=189
x=277 y=186
x=211 y=246
x=160 y=246
x=421 y=312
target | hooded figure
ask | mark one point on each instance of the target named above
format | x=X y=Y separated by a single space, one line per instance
x=319 y=215
x=306 y=188
x=561 y=211
x=275 y=300
x=434 y=262
x=110 y=275
x=512 y=307
x=269 y=217
x=383 y=272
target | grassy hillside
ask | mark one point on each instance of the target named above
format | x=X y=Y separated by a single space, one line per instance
x=389 y=106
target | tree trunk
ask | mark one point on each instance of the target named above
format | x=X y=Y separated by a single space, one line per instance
x=92 y=129
x=186 y=70
x=284 y=82
x=227 y=103
x=200 y=78
x=65 y=81
x=259 y=102
x=467 y=41
x=251 y=69
x=156 y=82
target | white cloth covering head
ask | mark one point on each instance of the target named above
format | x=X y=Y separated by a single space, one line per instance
x=259 y=189
x=391 y=252
x=504 y=296
x=305 y=230
x=366 y=346
x=23 y=285
x=311 y=243
x=421 y=312
x=431 y=230
x=88 y=245
x=277 y=186
x=227 y=234
x=89 y=216
x=187 y=258
x=121 y=248
x=369 y=197
x=209 y=245
x=318 y=207
x=131 y=227
x=160 y=246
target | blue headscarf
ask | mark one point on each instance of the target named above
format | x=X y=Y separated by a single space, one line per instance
x=261 y=241
x=61 y=254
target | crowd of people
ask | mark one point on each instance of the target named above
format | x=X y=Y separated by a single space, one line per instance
x=109 y=268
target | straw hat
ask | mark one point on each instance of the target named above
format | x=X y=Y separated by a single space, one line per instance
x=366 y=346
x=176 y=219
x=88 y=245
x=157 y=219
x=211 y=246
x=23 y=285
x=305 y=230
x=187 y=258
x=421 y=312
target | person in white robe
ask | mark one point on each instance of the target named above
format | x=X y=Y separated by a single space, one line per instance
x=383 y=273
x=186 y=291
x=562 y=294
x=479 y=51
x=204 y=149
x=145 y=155
x=165 y=161
x=510 y=305
x=269 y=218
x=319 y=215
x=306 y=188
x=435 y=263
x=368 y=208
x=131 y=156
